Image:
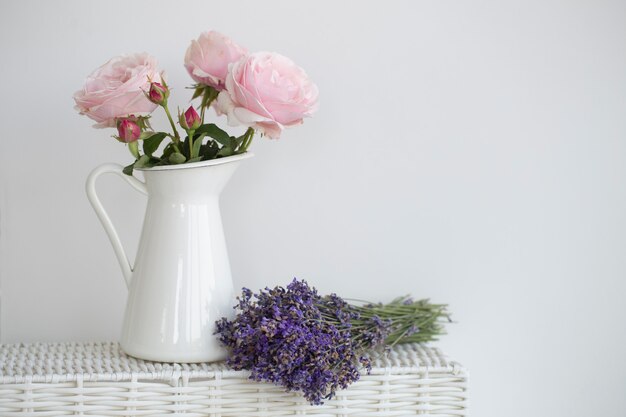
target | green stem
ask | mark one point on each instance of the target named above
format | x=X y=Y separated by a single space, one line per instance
x=425 y=317
x=174 y=144
x=190 y=135
x=247 y=139
x=134 y=149
x=169 y=117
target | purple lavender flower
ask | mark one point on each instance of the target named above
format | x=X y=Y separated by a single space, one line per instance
x=281 y=337
x=412 y=330
x=304 y=342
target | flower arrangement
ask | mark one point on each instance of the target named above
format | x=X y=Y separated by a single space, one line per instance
x=316 y=344
x=266 y=92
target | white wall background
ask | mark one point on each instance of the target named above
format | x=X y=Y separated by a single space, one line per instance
x=473 y=152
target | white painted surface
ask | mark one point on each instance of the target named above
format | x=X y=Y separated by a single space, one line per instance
x=180 y=283
x=472 y=152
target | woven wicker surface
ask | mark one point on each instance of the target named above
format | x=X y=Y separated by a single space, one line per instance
x=48 y=362
x=98 y=379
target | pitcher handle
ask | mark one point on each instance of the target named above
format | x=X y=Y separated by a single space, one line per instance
x=90 y=186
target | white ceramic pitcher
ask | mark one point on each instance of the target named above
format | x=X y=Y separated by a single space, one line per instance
x=181 y=282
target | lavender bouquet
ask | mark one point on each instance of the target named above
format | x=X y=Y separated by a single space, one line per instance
x=316 y=344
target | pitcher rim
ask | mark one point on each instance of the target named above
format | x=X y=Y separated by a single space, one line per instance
x=199 y=164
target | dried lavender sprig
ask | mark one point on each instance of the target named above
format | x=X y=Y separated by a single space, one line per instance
x=305 y=342
x=406 y=320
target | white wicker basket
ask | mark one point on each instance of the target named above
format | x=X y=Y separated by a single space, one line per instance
x=98 y=379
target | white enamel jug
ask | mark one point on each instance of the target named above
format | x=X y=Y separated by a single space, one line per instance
x=181 y=282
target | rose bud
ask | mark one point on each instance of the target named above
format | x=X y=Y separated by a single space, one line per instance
x=128 y=131
x=158 y=93
x=190 y=120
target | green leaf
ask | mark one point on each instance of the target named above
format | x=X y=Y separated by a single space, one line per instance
x=143 y=162
x=209 y=150
x=239 y=141
x=196 y=145
x=198 y=91
x=184 y=147
x=225 y=151
x=208 y=96
x=197 y=159
x=128 y=169
x=169 y=149
x=144 y=124
x=152 y=143
x=214 y=132
x=145 y=135
x=177 y=158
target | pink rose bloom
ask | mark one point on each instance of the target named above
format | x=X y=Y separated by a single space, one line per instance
x=267 y=92
x=116 y=89
x=207 y=58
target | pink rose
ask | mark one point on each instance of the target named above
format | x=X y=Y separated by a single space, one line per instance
x=116 y=89
x=268 y=92
x=207 y=58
